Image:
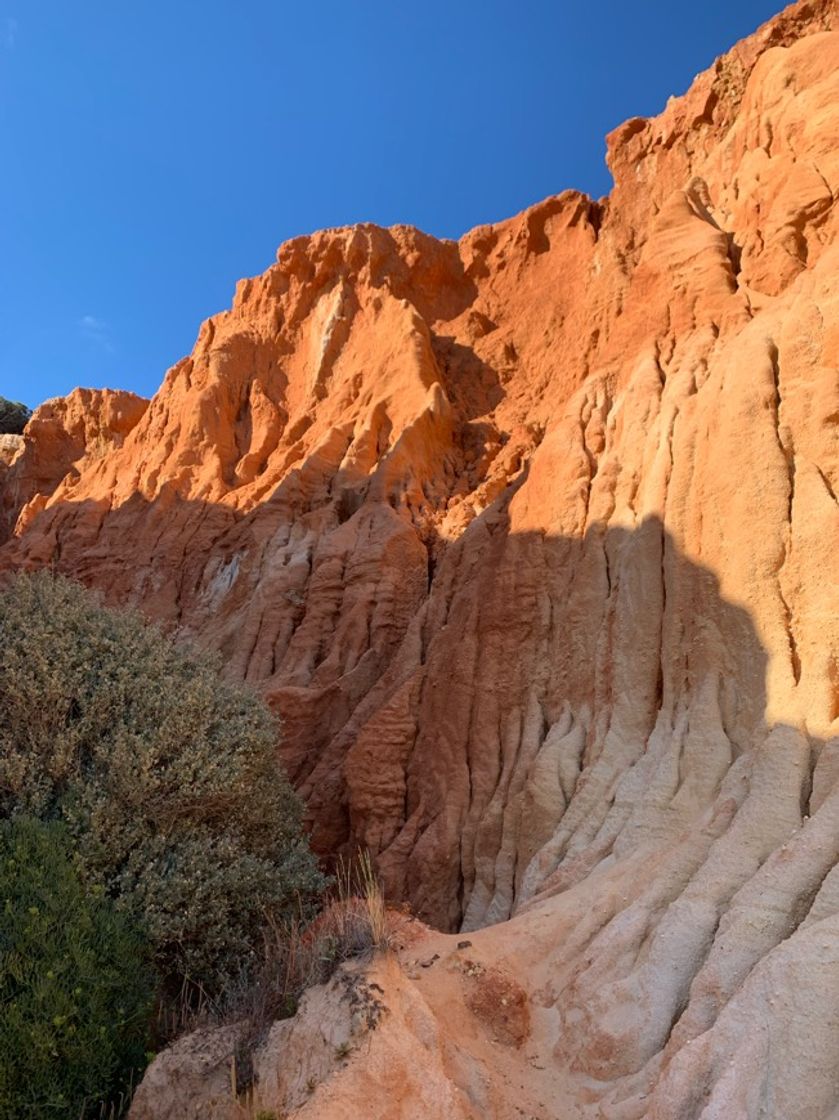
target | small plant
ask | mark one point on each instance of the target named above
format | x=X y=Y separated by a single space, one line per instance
x=75 y=991
x=343 y=1050
x=364 y=998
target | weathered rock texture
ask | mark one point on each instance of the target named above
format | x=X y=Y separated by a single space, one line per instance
x=532 y=539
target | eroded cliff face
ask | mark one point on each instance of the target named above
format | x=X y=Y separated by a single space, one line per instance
x=531 y=540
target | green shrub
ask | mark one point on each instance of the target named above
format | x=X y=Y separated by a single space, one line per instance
x=165 y=774
x=75 y=996
x=13 y=417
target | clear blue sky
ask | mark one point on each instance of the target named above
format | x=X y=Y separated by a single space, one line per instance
x=155 y=152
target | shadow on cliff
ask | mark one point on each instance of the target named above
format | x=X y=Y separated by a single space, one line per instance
x=451 y=733
x=549 y=666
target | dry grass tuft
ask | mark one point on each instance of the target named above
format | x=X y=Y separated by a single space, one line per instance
x=354 y=925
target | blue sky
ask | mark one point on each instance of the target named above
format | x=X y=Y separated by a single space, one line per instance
x=156 y=152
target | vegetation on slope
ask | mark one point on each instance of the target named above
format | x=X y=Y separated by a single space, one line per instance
x=164 y=774
x=161 y=778
x=13 y=417
x=75 y=988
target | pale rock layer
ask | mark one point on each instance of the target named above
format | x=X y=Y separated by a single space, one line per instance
x=530 y=538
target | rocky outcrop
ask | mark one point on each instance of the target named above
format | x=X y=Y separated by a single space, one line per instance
x=61 y=439
x=393 y=1039
x=531 y=540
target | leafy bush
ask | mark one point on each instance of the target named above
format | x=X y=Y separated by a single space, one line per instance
x=164 y=773
x=74 y=986
x=13 y=417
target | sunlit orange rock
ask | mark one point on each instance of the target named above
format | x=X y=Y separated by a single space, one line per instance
x=61 y=438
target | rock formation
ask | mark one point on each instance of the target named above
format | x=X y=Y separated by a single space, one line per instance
x=530 y=538
x=62 y=436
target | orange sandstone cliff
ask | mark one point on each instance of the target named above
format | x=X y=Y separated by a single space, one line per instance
x=531 y=539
